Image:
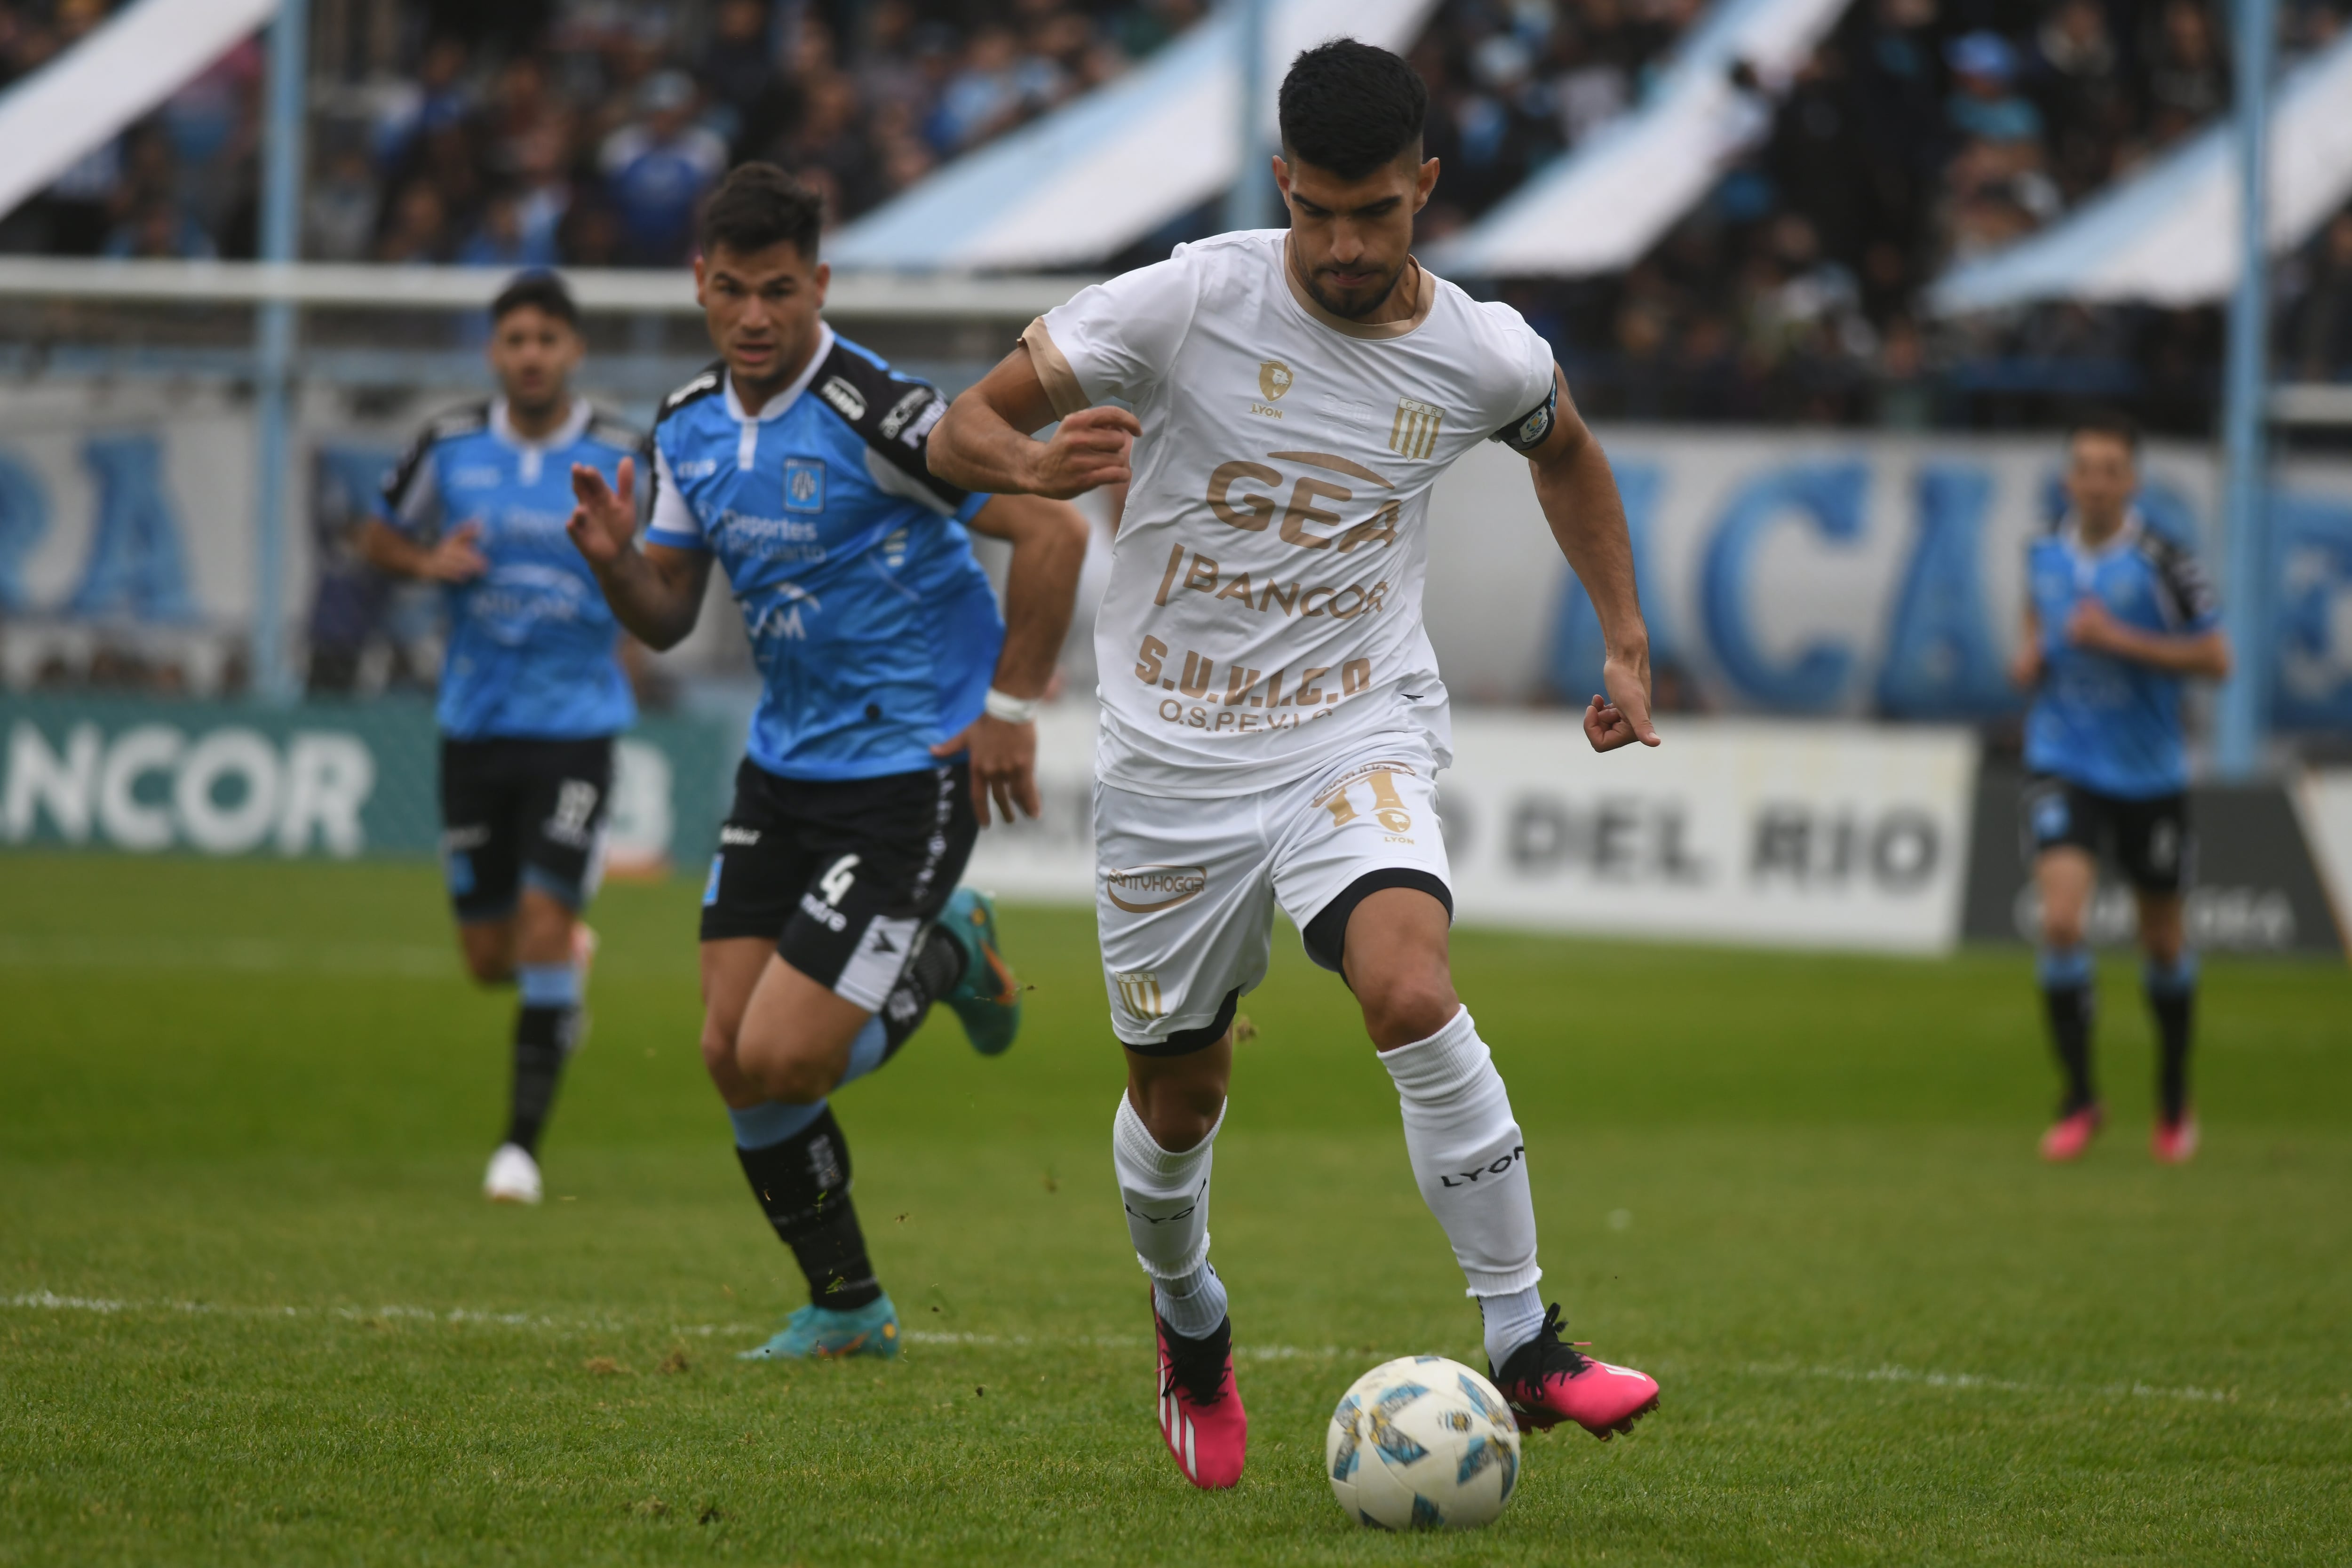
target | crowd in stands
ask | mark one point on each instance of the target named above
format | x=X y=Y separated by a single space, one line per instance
x=584 y=138
x=1922 y=133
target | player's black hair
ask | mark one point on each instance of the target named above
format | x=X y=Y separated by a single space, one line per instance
x=758 y=205
x=538 y=291
x=1349 y=108
x=2111 y=423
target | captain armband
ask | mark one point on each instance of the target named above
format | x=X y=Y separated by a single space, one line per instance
x=1524 y=435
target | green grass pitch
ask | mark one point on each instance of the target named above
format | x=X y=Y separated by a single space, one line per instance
x=255 y=1312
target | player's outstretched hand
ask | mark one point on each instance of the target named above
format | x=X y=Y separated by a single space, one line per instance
x=1622 y=716
x=604 y=523
x=1089 y=449
x=456 y=559
x=1003 y=765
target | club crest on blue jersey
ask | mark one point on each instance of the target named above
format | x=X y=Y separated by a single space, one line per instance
x=804 y=485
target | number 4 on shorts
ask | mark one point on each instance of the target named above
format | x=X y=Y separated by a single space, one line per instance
x=835 y=882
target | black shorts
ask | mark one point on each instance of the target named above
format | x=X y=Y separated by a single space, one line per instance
x=840 y=874
x=2150 y=839
x=518 y=813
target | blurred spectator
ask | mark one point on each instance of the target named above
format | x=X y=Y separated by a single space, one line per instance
x=419 y=230
x=1987 y=106
x=435 y=96
x=499 y=239
x=657 y=169
x=983 y=97
x=2187 y=80
x=2083 y=92
x=160 y=230
x=752 y=102
x=339 y=216
x=2318 y=338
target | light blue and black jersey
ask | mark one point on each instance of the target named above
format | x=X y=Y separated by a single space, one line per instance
x=2110 y=724
x=875 y=631
x=533 y=644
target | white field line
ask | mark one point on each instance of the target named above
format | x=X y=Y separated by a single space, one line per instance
x=1969 y=1381
x=233 y=954
x=262 y=955
x=1964 y=1382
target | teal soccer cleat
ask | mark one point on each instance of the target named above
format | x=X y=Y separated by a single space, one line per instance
x=824 y=1333
x=987 y=999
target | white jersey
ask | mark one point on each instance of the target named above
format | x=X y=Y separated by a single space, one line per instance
x=1264 y=613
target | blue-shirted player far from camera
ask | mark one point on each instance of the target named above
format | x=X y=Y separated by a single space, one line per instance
x=532 y=687
x=2116 y=617
x=896 y=703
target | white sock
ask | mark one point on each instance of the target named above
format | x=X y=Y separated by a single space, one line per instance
x=1511 y=1322
x=1192 y=1306
x=1166 y=1197
x=1467 y=1155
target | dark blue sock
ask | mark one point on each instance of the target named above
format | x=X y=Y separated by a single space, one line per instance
x=2172 y=997
x=2070 y=1003
x=545 y=1026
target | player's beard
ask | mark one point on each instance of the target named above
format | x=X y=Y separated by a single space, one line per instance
x=1356 y=306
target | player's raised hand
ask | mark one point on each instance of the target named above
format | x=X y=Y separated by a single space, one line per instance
x=456 y=559
x=603 y=525
x=1622 y=716
x=1003 y=765
x=1089 y=449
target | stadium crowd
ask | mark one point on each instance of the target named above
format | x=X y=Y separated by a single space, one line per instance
x=1921 y=134
x=584 y=132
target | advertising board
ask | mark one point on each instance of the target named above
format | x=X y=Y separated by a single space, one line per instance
x=1738 y=831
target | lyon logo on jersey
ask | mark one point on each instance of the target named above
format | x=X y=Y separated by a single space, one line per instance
x=1272 y=379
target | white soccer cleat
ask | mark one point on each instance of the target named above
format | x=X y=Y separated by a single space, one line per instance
x=513 y=1176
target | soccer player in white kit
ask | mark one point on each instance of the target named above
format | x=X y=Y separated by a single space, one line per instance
x=1272 y=721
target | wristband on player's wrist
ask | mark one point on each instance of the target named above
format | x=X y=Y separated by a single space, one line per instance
x=1011 y=709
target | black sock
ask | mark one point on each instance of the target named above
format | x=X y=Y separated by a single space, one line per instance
x=931 y=974
x=2071 y=1008
x=2172 y=997
x=802 y=1183
x=541 y=1037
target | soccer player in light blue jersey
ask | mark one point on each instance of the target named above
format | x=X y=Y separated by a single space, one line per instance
x=531 y=690
x=898 y=704
x=2117 y=619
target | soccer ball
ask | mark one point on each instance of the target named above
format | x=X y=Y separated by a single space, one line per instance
x=1421 y=1442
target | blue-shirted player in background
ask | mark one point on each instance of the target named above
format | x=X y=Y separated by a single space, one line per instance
x=896 y=703
x=2116 y=616
x=531 y=688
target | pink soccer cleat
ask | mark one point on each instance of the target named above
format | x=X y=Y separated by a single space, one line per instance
x=2073 y=1135
x=1548 y=1382
x=1201 y=1415
x=2175 y=1142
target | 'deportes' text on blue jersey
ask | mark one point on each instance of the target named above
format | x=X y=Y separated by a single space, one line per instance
x=876 y=632
x=533 y=644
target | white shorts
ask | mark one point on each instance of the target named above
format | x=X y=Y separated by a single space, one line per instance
x=1185 y=888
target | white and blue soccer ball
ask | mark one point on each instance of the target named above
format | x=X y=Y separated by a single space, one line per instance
x=1422 y=1443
